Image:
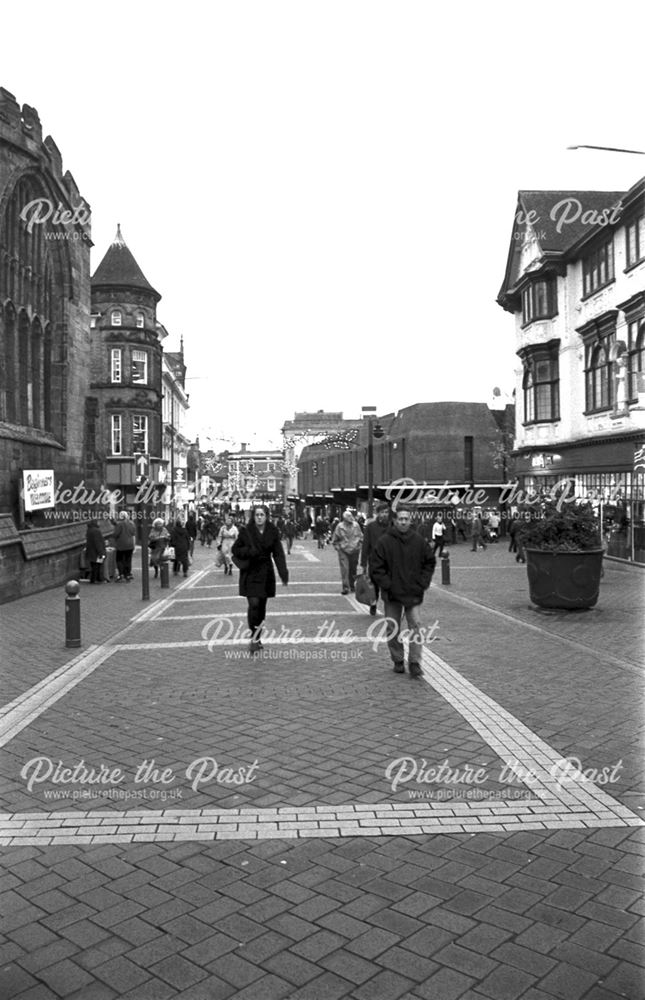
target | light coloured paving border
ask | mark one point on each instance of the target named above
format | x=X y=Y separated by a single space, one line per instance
x=292 y=583
x=242 y=614
x=279 y=594
x=19 y=713
x=513 y=742
x=354 y=820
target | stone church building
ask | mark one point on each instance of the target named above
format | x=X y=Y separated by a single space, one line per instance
x=80 y=366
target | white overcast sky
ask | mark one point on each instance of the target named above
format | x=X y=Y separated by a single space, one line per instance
x=323 y=192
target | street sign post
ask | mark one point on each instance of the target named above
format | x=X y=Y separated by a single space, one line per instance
x=142 y=472
x=141 y=465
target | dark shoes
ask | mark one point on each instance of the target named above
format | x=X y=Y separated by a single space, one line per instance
x=343 y=592
x=255 y=647
x=415 y=669
x=372 y=610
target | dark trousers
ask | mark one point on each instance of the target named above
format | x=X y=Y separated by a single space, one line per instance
x=255 y=615
x=124 y=562
x=96 y=574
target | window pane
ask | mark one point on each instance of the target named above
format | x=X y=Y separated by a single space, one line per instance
x=139 y=367
x=631 y=243
x=140 y=434
x=604 y=385
x=543 y=402
x=540 y=299
x=116 y=365
x=542 y=371
x=116 y=318
x=116 y=435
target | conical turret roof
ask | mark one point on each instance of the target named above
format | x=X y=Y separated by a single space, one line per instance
x=119 y=269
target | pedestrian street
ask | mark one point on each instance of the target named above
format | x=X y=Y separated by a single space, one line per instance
x=314 y=736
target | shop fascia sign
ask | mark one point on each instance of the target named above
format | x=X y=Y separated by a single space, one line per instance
x=544 y=461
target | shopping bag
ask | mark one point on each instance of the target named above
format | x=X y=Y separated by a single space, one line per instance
x=364 y=590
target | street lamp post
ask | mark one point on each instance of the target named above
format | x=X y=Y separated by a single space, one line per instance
x=369 y=411
x=373 y=431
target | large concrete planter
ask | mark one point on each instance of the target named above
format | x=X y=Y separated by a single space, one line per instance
x=566 y=580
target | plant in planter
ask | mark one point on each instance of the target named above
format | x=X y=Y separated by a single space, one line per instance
x=563 y=556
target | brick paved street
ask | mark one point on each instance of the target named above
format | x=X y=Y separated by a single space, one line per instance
x=334 y=870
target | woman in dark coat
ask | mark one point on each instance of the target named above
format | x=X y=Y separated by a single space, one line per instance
x=180 y=538
x=95 y=549
x=258 y=546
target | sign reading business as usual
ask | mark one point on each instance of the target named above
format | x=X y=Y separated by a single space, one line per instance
x=38 y=488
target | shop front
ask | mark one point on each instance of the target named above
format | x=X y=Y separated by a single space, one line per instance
x=610 y=473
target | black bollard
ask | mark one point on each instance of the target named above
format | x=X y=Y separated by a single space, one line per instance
x=164 y=572
x=72 y=614
x=445 y=568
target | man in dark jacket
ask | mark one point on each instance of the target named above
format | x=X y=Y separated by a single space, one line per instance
x=373 y=531
x=402 y=566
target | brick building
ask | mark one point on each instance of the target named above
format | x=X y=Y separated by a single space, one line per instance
x=429 y=443
x=124 y=406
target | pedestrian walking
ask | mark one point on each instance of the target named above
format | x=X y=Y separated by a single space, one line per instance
x=191 y=528
x=95 y=550
x=255 y=550
x=477 y=532
x=124 y=542
x=225 y=538
x=158 y=539
x=289 y=533
x=438 y=534
x=180 y=540
x=319 y=531
x=513 y=529
x=493 y=525
x=347 y=540
x=374 y=530
x=402 y=565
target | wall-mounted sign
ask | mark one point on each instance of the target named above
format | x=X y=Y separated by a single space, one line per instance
x=542 y=461
x=38 y=489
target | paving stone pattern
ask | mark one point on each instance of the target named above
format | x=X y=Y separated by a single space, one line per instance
x=496 y=914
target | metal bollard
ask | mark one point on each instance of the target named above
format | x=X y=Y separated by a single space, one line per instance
x=445 y=568
x=164 y=572
x=72 y=614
